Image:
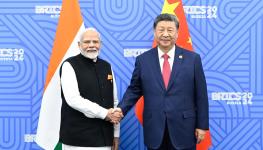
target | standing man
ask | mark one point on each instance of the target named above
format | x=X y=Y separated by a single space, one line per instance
x=88 y=96
x=173 y=84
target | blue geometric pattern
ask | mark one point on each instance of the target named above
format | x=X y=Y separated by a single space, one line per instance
x=231 y=51
x=230 y=46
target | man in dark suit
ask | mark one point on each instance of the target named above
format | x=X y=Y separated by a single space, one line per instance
x=173 y=84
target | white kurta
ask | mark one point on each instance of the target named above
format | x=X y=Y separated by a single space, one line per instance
x=68 y=147
x=88 y=108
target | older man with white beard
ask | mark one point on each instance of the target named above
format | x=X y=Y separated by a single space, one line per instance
x=88 y=120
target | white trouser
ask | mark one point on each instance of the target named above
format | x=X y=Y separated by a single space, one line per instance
x=69 y=147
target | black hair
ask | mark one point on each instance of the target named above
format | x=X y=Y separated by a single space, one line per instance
x=166 y=17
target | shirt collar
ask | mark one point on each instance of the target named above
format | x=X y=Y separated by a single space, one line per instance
x=170 y=53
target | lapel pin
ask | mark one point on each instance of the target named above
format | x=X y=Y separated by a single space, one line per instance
x=180 y=56
x=110 y=77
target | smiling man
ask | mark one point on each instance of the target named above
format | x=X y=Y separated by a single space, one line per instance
x=88 y=96
x=173 y=84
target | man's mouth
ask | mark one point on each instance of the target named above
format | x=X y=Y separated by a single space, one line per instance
x=92 y=50
x=165 y=39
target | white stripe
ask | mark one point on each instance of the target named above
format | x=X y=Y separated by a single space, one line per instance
x=49 y=118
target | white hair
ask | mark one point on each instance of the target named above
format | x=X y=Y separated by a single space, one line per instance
x=88 y=29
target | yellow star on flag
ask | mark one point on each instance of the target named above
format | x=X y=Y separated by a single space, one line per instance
x=189 y=40
x=169 y=8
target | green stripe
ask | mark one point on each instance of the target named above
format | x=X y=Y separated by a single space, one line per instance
x=58 y=147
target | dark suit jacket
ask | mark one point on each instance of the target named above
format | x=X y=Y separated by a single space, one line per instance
x=184 y=105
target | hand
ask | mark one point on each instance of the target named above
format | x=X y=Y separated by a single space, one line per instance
x=200 y=135
x=109 y=115
x=115 y=145
x=117 y=113
x=114 y=115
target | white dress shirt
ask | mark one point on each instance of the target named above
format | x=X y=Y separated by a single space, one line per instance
x=90 y=109
x=170 y=53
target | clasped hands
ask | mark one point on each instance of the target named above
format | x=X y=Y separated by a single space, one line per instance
x=114 y=115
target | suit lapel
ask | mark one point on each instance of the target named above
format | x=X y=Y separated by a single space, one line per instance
x=178 y=59
x=157 y=69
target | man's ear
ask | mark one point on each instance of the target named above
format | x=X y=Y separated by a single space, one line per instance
x=177 y=35
x=154 y=35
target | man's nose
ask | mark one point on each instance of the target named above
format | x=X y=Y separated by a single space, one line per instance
x=165 y=33
x=91 y=44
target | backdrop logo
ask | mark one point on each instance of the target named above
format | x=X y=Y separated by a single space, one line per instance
x=8 y=54
x=134 y=52
x=201 y=11
x=233 y=98
x=29 y=138
x=53 y=11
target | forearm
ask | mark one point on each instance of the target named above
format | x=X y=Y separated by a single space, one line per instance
x=74 y=99
x=201 y=96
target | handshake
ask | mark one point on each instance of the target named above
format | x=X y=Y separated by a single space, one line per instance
x=114 y=115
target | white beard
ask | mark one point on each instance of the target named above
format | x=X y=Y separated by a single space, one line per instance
x=90 y=55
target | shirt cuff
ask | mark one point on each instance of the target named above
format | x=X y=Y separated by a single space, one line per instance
x=102 y=113
x=117 y=130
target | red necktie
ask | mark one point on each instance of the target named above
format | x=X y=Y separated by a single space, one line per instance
x=166 y=70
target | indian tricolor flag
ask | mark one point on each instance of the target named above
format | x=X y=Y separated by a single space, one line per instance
x=69 y=27
x=184 y=40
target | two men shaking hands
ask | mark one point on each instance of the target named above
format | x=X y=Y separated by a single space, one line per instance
x=114 y=115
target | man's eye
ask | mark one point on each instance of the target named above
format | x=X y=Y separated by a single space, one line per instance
x=86 y=42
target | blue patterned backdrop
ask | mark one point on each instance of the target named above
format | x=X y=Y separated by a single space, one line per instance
x=227 y=34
